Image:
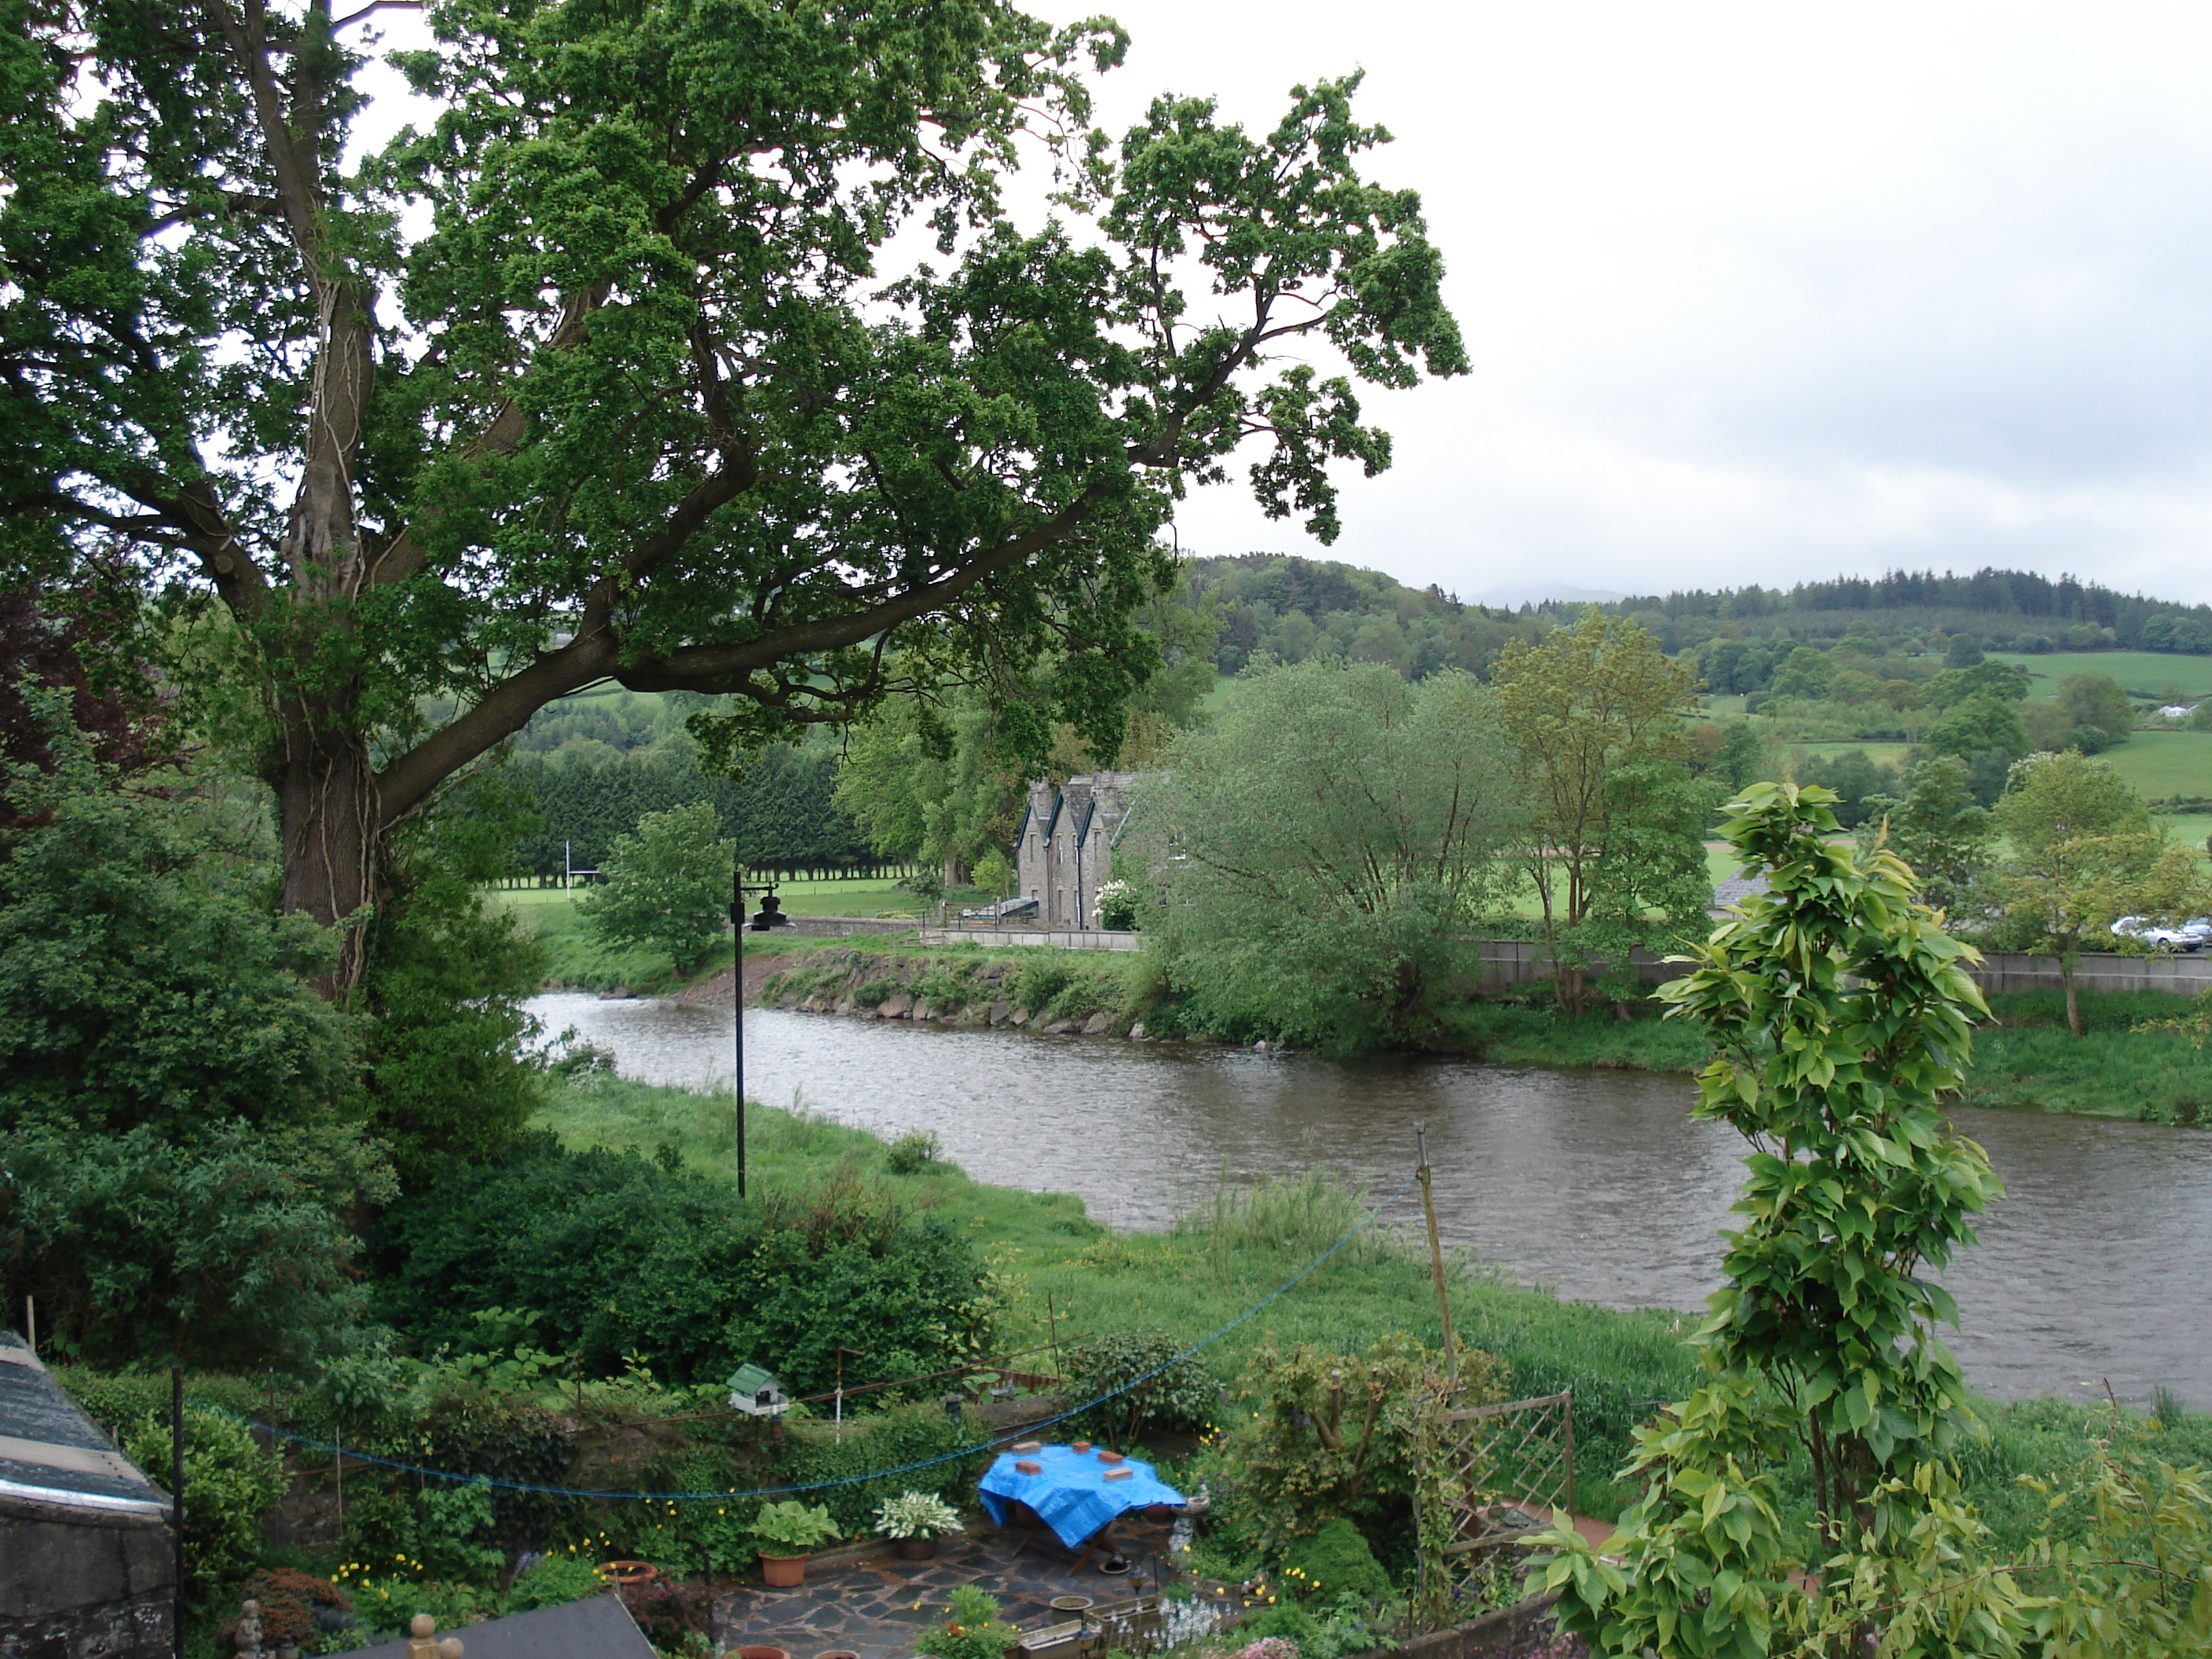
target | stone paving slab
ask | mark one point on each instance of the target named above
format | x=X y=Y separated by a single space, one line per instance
x=879 y=1608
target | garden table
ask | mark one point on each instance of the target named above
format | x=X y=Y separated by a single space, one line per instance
x=1070 y=1492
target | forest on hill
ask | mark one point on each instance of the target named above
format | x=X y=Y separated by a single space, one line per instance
x=1294 y=607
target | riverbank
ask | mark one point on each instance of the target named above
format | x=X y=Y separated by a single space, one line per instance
x=1221 y=1258
x=2025 y=1060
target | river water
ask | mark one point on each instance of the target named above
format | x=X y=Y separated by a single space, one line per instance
x=2095 y=1266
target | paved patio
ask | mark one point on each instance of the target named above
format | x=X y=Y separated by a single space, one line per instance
x=879 y=1608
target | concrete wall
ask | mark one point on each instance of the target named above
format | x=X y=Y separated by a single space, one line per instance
x=1507 y=963
x=75 y=1585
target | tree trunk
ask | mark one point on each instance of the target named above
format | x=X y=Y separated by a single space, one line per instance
x=326 y=809
x=2073 y=1003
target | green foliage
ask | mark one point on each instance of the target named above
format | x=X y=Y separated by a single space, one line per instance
x=1977 y=726
x=1609 y=822
x=791 y=1527
x=554 y=1580
x=1858 y=783
x=442 y=1531
x=1339 y=827
x=1183 y=1396
x=450 y=1078
x=667 y=886
x=230 y=1482
x=887 y=1439
x=142 y=980
x=1941 y=830
x=973 y=1630
x=1038 y=979
x=1842 y=1013
x=1335 y=1560
x=2083 y=855
x=1333 y=1434
x=705 y=1282
x=230 y=1244
x=911 y=1151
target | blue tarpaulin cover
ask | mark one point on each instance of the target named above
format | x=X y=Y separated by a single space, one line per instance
x=1071 y=1494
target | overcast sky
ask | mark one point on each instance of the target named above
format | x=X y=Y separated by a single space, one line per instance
x=1761 y=292
x=1765 y=292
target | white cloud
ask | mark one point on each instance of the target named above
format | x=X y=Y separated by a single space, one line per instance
x=1760 y=292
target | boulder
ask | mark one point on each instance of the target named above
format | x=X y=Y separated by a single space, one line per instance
x=844 y=1005
x=897 y=1005
x=1059 y=1027
x=1098 y=1023
x=1137 y=1032
x=1019 y=1016
x=620 y=993
x=923 y=1011
x=999 y=1012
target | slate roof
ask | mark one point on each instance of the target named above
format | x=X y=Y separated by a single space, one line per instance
x=1733 y=891
x=596 y=1627
x=51 y=1455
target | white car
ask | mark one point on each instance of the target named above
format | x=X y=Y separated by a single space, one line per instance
x=2190 y=936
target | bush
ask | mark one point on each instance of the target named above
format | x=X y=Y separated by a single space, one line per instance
x=230 y=1482
x=1334 y=1561
x=1184 y=1396
x=912 y=1151
x=554 y=1582
x=1033 y=984
x=616 y=1256
x=296 y=1607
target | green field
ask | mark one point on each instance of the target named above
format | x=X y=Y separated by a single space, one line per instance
x=2163 y=764
x=1882 y=754
x=800 y=898
x=2136 y=671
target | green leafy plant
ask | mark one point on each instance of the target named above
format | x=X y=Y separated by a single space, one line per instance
x=916 y=1514
x=1183 y=1396
x=233 y=1481
x=914 y=1151
x=553 y=1581
x=1335 y=1560
x=1841 y=1011
x=791 y=1527
x=974 y=1629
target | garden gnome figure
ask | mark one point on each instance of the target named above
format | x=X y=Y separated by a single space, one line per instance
x=247 y=1636
x=420 y=1629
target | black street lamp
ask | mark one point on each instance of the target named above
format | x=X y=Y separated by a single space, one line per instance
x=771 y=917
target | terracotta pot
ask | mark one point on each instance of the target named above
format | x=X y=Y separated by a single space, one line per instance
x=759 y=1652
x=838 y=1653
x=915 y=1549
x=782 y=1572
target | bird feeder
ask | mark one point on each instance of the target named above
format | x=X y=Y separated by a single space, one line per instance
x=757 y=1393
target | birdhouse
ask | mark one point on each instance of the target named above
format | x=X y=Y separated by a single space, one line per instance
x=757 y=1392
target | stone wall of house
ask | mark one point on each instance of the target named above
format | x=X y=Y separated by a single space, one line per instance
x=79 y=1585
x=1066 y=851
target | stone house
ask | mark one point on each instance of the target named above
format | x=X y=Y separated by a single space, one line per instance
x=1065 y=850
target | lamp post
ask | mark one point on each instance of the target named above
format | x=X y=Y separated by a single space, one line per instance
x=771 y=917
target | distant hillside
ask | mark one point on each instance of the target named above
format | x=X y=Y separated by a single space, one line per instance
x=1292 y=607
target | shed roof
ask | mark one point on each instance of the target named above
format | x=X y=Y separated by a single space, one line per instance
x=596 y=1627
x=51 y=1455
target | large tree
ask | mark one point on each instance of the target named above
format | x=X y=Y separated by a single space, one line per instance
x=1335 y=836
x=1595 y=714
x=597 y=378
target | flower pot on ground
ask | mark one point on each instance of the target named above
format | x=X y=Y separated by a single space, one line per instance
x=781 y=1535
x=915 y=1521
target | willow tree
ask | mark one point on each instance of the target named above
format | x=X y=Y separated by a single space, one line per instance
x=597 y=378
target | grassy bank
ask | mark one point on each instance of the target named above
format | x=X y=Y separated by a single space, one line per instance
x=1222 y=1260
x=1196 y=1278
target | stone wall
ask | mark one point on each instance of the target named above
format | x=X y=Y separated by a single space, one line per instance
x=77 y=1585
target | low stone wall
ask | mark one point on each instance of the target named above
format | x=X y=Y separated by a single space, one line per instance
x=847 y=927
x=1064 y=939
x=1509 y=963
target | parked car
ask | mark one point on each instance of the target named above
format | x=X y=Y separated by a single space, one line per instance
x=2190 y=936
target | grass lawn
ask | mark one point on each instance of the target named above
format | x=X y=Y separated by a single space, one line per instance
x=2136 y=671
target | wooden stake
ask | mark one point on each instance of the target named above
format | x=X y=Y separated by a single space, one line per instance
x=1435 y=1250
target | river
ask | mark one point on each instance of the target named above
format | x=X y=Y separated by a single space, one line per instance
x=2093 y=1267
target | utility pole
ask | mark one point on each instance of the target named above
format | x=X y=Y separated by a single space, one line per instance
x=771 y=917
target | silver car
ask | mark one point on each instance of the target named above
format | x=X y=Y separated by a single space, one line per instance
x=2190 y=936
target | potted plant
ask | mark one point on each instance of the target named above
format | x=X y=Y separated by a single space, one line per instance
x=973 y=1631
x=782 y=1534
x=916 y=1520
